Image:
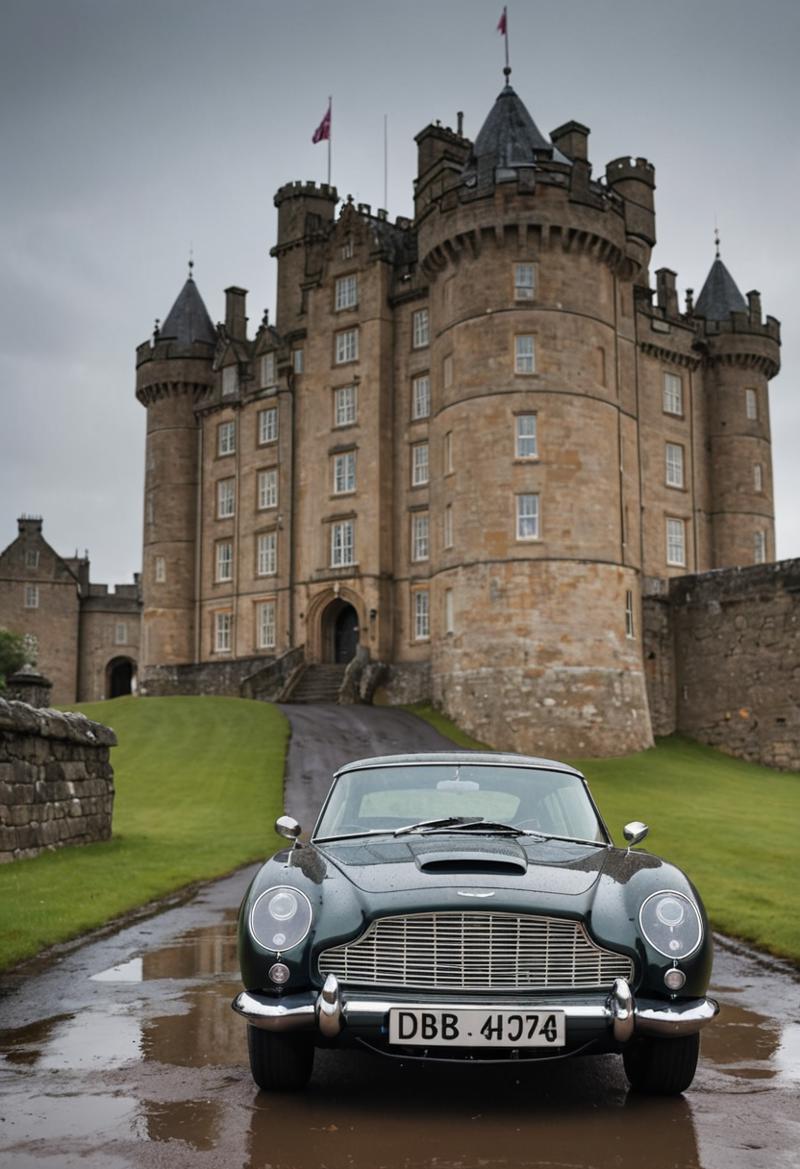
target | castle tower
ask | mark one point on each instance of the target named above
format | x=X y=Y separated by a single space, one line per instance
x=530 y=265
x=305 y=213
x=741 y=354
x=173 y=374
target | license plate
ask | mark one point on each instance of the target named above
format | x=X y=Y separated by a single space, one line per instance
x=476 y=1027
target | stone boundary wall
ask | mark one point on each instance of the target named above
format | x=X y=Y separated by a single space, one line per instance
x=213 y=678
x=56 y=781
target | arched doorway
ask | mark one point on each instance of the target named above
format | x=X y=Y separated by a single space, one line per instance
x=120 y=677
x=340 y=632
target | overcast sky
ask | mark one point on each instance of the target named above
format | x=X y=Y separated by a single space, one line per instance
x=134 y=130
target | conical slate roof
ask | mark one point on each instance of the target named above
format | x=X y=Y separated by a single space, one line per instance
x=509 y=138
x=188 y=319
x=720 y=296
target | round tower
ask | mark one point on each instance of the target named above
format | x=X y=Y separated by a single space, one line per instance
x=305 y=210
x=173 y=373
x=741 y=355
x=527 y=260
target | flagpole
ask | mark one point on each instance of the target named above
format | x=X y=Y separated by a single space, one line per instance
x=385 y=162
x=330 y=134
x=505 y=38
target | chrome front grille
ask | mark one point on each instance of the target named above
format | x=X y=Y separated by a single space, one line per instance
x=475 y=951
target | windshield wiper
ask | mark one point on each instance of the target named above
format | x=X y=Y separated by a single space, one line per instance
x=440 y=822
x=352 y=835
x=497 y=826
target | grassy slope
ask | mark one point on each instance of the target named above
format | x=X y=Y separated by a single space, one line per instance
x=199 y=783
x=732 y=826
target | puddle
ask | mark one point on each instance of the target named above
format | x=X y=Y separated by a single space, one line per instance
x=50 y=1116
x=206 y=1034
x=195 y=1122
x=199 y=953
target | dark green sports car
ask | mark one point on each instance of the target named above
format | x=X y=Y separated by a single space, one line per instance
x=468 y=906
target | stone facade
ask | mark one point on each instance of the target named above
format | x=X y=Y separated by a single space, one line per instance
x=56 y=781
x=463 y=445
x=83 y=636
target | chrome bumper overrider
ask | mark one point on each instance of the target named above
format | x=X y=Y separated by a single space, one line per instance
x=330 y=1011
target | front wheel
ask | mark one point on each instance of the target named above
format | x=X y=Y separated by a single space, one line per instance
x=279 y=1063
x=661 y=1067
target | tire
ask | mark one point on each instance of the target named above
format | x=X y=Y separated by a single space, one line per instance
x=661 y=1067
x=279 y=1063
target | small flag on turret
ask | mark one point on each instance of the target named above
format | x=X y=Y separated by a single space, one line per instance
x=502 y=23
x=323 y=130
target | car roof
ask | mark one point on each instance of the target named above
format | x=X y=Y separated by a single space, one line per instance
x=475 y=758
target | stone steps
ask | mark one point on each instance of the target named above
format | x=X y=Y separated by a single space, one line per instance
x=319 y=683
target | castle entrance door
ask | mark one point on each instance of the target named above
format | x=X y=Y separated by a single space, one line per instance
x=340 y=632
x=119 y=677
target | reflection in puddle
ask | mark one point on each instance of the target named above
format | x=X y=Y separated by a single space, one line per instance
x=195 y=1122
x=197 y=953
x=125 y=972
x=65 y=1117
x=206 y=1033
x=745 y=1045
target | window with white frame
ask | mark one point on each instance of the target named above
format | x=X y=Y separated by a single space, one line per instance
x=223 y=626
x=422 y=615
x=527 y=517
x=447 y=371
x=524 y=354
x=421 y=396
x=268 y=488
x=447 y=526
x=268 y=373
x=523 y=282
x=230 y=380
x=344 y=473
x=420 y=536
x=447 y=451
x=751 y=404
x=347 y=249
x=629 y=627
x=342 y=543
x=267 y=554
x=758 y=477
x=346 y=346
x=676 y=542
x=265 y=625
x=298 y=359
x=672 y=394
x=345 y=406
x=120 y=633
x=226 y=498
x=31 y=557
x=160 y=570
x=526 y=436
x=419 y=464
x=674 y=464
x=449 y=611
x=420 y=329
x=760 y=547
x=346 y=294
x=31 y=596
x=226 y=438
x=224 y=560
x=268 y=425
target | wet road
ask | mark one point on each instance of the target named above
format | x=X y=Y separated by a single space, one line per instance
x=125 y=1052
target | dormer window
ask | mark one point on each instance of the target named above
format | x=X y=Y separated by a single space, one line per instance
x=268 y=377
x=230 y=380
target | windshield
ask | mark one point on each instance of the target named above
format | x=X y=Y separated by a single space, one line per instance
x=553 y=803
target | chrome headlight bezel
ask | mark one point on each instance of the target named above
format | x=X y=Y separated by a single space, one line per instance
x=662 y=930
x=278 y=933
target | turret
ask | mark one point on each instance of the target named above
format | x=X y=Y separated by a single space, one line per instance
x=634 y=180
x=173 y=374
x=305 y=213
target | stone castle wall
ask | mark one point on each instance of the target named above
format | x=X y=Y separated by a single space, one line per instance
x=56 y=781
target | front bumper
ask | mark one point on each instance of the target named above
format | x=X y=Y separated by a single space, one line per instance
x=614 y=1016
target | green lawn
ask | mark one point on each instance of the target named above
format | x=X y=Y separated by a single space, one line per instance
x=732 y=826
x=199 y=783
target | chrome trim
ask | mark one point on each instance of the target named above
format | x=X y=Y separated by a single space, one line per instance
x=259 y=899
x=329 y=1008
x=634 y=832
x=621 y=1008
x=272 y=1014
x=675 y=1018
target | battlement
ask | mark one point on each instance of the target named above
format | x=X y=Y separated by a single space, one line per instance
x=309 y=189
x=742 y=323
x=169 y=350
x=639 y=169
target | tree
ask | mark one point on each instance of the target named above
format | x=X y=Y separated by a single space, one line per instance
x=12 y=654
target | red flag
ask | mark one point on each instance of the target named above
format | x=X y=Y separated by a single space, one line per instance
x=501 y=24
x=323 y=130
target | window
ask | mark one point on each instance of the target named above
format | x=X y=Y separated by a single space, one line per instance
x=150 y=509
x=31 y=596
x=448 y=452
x=523 y=281
x=268 y=488
x=449 y=616
x=524 y=354
x=223 y=624
x=760 y=547
x=265 y=625
x=447 y=371
x=160 y=570
x=120 y=633
x=267 y=554
x=421 y=396
x=344 y=473
x=226 y=498
x=676 y=543
x=268 y=377
x=230 y=380
x=422 y=619
x=346 y=346
x=629 y=630
x=527 y=517
x=420 y=541
x=345 y=403
x=31 y=557
x=420 y=329
x=347 y=249
x=224 y=560
x=751 y=404
x=226 y=438
x=268 y=425
x=526 y=436
x=674 y=464
x=419 y=464
x=346 y=292
x=672 y=399
x=447 y=526
x=297 y=360
x=342 y=543
x=758 y=477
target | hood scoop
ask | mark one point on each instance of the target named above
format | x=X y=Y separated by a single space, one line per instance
x=477 y=861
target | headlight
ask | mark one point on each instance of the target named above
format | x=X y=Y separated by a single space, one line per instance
x=280 y=918
x=671 y=923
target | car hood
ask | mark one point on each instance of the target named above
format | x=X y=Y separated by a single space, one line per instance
x=438 y=861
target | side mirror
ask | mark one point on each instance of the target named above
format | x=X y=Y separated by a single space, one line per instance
x=634 y=832
x=287 y=826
